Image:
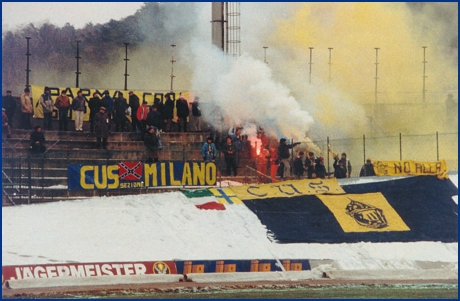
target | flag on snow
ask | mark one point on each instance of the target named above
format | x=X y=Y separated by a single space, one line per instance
x=403 y=210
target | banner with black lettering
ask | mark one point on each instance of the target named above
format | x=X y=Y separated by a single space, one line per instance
x=72 y=92
x=404 y=210
x=139 y=175
x=409 y=167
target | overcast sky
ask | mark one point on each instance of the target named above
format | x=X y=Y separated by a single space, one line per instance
x=59 y=13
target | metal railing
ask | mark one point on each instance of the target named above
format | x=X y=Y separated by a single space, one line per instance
x=31 y=178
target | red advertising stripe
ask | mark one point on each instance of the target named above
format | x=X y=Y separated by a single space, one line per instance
x=87 y=269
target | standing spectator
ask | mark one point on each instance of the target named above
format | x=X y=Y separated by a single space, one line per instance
x=47 y=104
x=102 y=124
x=134 y=105
x=182 y=113
x=27 y=109
x=120 y=107
x=9 y=104
x=340 y=171
x=168 y=112
x=368 y=169
x=208 y=151
x=298 y=167
x=196 y=113
x=320 y=169
x=78 y=106
x=230 y=156
x=161 y=110
x=142 y=114
x=37 y=140
x=5 y=124
x=94 y=106
x=346 y=164
x=284 y=156
x=310 y=163
x=63 y=105
x=154 y=118
x=151 y=143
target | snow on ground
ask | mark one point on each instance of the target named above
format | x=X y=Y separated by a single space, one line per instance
x=168 y=226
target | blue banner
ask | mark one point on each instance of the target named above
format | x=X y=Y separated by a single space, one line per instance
x=140 y=175
x=405 y=210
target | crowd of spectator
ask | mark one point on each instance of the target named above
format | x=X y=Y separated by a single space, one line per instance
x=168 y=115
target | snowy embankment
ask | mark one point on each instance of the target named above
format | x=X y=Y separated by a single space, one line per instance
x=168 y=226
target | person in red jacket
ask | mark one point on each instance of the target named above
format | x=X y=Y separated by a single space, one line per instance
x=141 y=114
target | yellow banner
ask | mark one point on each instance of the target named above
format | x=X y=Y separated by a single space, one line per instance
x=288 y=189
x=408 y=167
x=368 y=212
x=149 y=96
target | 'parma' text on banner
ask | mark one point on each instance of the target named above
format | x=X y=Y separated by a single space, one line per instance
x=139 y=175
x=409 y=167
x=72 y=92
x=288 y=189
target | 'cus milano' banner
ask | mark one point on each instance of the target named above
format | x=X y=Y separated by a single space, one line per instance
x=149 y=96
x=139 y=175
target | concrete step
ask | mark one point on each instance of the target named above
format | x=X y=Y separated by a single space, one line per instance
x=114 y=136
x=82 y=155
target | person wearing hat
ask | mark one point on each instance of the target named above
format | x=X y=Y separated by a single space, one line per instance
x=182 y=113
x=9 y=104
x=101 y=122
x=5 y=125
x=63 y=105
x=47 y=103
x=209 y=151
x=299 y=167
x=320 y=169
x=78 y=106
x=134 y=105
x=27 y=109
x=151 y=143
x=368 y=169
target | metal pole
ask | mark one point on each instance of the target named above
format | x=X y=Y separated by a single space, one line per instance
x=424 y=77
x=78 y=64
x=400 y=147
x=311 y=49
x=437 y=146
x=364 y=147
x=330 y=62
x=328 y=151
x=27 y=70
x=376 y=71
x=172 y=65
x=265 y=54
x=126 y=66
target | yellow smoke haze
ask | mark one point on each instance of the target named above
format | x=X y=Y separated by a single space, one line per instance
x=353 y=30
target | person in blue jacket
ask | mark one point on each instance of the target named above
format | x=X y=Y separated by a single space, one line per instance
x=208 y=151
